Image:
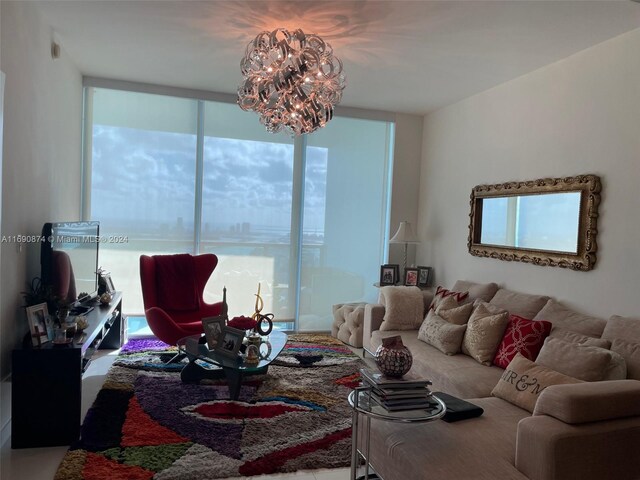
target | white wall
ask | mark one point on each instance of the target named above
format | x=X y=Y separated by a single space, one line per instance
x=42 y=162
x=406 y=182
x=580 y=115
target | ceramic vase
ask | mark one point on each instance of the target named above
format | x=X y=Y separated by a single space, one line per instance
x=393 y=358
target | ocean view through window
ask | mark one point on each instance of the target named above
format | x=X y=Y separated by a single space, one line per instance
x=178 y=175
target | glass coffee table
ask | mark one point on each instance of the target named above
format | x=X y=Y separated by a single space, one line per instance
x=209 y=364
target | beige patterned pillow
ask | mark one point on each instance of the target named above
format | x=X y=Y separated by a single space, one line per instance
x=451 y=311
x=484 y=333
x=523 y=381
x=443 y=335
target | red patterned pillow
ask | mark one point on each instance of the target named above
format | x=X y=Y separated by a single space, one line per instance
x=442 y=293
x=521 y=336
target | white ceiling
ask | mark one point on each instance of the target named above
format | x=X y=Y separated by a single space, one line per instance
x=403 y=56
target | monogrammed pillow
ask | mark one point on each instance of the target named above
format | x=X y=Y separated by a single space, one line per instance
x=523 y=381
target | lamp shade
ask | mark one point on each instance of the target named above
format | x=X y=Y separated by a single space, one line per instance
x=405 y=234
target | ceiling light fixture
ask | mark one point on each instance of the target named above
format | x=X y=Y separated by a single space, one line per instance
x=292 y=80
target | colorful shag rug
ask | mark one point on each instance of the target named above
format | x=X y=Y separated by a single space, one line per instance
x=145 y=423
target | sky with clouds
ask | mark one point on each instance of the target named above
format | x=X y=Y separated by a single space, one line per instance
x=144 y=181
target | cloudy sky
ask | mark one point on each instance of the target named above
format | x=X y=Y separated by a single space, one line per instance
x=146 y=179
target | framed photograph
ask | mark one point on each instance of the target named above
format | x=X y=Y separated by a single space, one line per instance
x=424 y=276
x=213 y=327
x=411 y=277
x=37 y=317
x=229 y=344
x=389 y=274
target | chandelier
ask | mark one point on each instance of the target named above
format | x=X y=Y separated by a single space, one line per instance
x=292 y=80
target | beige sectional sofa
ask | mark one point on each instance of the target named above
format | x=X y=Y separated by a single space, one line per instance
x=588 y=430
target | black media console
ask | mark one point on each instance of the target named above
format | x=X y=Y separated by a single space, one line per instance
x=46 y=390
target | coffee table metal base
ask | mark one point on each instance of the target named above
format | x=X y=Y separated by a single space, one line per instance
x=194 y=373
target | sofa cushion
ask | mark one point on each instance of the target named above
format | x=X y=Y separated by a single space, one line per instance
x=485 y=330
x=458 y=375
x=482 y=291
x=522 y=304
x=591 y=364
x=579 y=338
x=523 y=381
x=442 y=294
x=624 y=328
x=403 y=308
x=590 y=402
x=450 y=310
x=630 y=351
x=565 y=318
x=521 y=336
x=480 y=448
x=445 y=336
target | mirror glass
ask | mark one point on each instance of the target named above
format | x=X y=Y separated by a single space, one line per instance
x=547 y=221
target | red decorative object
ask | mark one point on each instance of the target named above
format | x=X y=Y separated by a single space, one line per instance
x=393 y=358
x=442 y=293
x=242 y=323
x=521 y=336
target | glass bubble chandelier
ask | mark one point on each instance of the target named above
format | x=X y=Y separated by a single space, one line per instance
x=292 y=80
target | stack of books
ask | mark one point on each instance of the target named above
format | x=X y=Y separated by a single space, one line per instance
x=394 y=394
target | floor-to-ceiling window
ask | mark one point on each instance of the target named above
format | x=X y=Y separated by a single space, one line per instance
x=303 y=217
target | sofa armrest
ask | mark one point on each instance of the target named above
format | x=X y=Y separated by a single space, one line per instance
x=590 y=401
x=373 y=316
x=549 y=449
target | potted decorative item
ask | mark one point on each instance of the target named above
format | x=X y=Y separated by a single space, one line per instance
x=393 y=358
x=63 y=311
x=105 y=298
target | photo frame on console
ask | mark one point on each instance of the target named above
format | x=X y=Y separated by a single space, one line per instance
x=230 y=342
x=37 y=317
x=389 y=274
x=213 y=327
x=424 y=276
x=411 y=277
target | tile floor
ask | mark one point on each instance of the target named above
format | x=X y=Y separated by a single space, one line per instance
x=42 y=463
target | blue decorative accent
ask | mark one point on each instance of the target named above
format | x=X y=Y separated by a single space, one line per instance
x=291 y=401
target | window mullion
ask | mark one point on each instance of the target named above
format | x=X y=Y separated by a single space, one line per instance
x=197 y=220
x=297 y=214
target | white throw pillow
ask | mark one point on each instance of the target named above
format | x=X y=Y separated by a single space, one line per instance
x=404 y=307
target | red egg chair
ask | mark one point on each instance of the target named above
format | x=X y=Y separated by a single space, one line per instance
x=172 y=288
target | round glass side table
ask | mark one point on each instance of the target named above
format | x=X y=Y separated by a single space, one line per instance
x=363 y=404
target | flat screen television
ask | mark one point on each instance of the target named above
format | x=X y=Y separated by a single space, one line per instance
x=69 y=260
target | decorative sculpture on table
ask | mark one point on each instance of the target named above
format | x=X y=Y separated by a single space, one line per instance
x=260 y=318
x=393 y=358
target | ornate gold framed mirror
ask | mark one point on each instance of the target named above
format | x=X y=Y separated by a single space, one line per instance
x=547 y=222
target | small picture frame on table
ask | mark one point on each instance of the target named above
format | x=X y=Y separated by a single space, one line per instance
x=37 y=317
x=389 y=274
x=213 y=327
x=230 y=342
x=424 y=276
x=411 y=277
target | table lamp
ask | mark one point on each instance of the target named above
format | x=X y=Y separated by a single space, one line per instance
x=406 y=235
